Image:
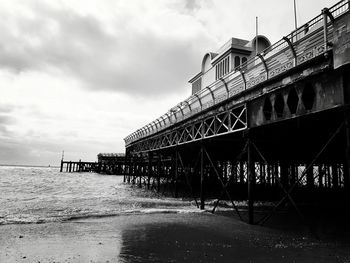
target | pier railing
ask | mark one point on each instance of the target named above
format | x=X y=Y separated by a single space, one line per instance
x=307 y=42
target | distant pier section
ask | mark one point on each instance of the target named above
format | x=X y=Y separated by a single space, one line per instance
x=107 y=163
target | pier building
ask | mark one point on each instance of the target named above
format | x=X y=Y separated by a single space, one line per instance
x=262 y=124
x=233 y=54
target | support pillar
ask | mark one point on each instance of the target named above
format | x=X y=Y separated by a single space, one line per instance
x=134 y=171
x=140 y=171
x=241 y=172
x=268 y=171
x=284 y=174
x=129 y=170
x=320 y=176
x=202 y=178
x=251 y=182
x=124 y=174
x=149 y=175
x=61 y=169
x=310 y=177
x=335 y=181
x=347 y=160
x=176 y=174
x=158 y=173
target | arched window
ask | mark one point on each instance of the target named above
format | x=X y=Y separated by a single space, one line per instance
x=237 y=61
x=244 y=60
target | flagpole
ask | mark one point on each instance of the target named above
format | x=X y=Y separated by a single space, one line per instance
x=256 y=38
x=295 y=15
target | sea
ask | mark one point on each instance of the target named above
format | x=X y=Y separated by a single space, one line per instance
x=32 y=195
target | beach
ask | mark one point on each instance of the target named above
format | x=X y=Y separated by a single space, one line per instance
x=47 y=216
x=163 y=237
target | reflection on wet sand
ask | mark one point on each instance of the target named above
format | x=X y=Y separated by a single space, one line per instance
x=208 y=238
x=189 y=237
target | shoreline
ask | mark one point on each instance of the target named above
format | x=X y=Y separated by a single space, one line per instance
x=197 y=237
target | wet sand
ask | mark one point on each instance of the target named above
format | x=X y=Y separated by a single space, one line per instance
x=196 y=237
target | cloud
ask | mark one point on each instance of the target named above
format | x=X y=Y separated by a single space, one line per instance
x=191 y=5
x=6 y=119
x=134 y=60
x=6 y=108
x=81 y=75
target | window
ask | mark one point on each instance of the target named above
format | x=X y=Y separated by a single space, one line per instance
x=244 y=60
x=237 y=61
x=196 y=86
x=222 y=68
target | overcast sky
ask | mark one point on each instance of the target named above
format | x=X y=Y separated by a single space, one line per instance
x=80 y=76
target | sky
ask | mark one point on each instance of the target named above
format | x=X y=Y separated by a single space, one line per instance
x=80 y=76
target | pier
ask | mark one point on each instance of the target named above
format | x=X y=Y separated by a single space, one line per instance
x=271 y=126
x=107 y=163
x=264 y=124
x=71 y=166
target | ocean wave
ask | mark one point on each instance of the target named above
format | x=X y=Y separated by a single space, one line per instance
x=38 y=195
x=12 y=221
